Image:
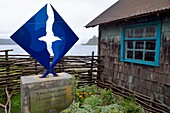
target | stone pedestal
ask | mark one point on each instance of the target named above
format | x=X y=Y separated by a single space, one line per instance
x=47 y=95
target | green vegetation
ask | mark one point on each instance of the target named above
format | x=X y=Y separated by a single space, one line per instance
x=92 y=99
x=16 y=103
x=89 y=99
x=2 y=96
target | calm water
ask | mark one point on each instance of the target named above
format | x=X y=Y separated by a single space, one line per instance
x=78 y=50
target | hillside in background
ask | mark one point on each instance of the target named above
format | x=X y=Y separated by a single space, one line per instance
x=92 y=41
x=7 y=42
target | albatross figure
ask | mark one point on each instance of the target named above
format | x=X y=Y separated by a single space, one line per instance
x=49 y=38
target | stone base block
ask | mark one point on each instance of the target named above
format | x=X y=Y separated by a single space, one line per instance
x=47 y=95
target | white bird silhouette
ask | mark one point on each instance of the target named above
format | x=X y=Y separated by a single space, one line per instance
x=49 y=38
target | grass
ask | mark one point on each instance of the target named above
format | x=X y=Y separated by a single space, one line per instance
x=16 y=103
x=2 y=96
x=15 y=100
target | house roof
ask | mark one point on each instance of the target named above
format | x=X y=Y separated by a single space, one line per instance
x=124 y=9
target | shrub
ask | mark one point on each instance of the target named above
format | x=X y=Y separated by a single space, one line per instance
x=92 y=99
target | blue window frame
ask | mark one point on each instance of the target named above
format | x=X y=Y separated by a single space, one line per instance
x=141 y=43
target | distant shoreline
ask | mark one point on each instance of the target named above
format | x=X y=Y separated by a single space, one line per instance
x=89 y=44
x=77 y=49
x=92 y=41
x=7 y=42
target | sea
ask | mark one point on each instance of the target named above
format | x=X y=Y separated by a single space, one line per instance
x=76 y=50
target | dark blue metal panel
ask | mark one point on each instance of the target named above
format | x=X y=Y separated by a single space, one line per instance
x=28 y=37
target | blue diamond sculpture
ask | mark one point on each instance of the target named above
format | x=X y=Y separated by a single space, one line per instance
x=45 y=33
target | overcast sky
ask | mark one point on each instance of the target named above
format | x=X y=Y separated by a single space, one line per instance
x=76 y=13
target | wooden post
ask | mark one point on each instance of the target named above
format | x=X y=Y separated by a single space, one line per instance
x=99 y=54
x=36 y=72
x=63 y=64
x=91 y=69
x=7 y=65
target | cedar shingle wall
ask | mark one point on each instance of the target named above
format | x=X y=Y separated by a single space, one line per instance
x=148 y=80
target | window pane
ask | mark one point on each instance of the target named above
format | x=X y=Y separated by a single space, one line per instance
x=150 y=56
x=130 y=54
x=139 y=44
x=151 y=31
x=150 y=45
x=139 y=55
x=139 y=32
x=129 y=33
x=129 y=44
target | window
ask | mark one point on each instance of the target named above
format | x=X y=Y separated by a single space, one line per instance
x=141 y=43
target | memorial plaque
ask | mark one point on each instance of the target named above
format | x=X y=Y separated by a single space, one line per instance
x=48 y=95
x=50 y=100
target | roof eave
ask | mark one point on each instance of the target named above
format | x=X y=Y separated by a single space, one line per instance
x=125 y=18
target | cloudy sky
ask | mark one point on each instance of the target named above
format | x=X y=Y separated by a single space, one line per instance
x=76 y=13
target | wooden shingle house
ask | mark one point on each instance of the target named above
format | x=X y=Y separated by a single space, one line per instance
x=134 y=38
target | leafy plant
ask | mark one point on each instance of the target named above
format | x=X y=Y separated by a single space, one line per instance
x=131 y=107
x=92 y=99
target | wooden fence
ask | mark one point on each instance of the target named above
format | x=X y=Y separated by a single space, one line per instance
x=14 y=66
x=86 y=68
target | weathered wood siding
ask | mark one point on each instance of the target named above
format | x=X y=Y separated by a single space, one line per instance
x=148 y=80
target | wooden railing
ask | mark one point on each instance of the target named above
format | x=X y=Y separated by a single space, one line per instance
x=86 y=68
x=12 y=67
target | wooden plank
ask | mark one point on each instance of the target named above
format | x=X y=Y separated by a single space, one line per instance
x=6 y=50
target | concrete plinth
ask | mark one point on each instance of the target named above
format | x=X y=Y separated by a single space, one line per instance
x=47 y=95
